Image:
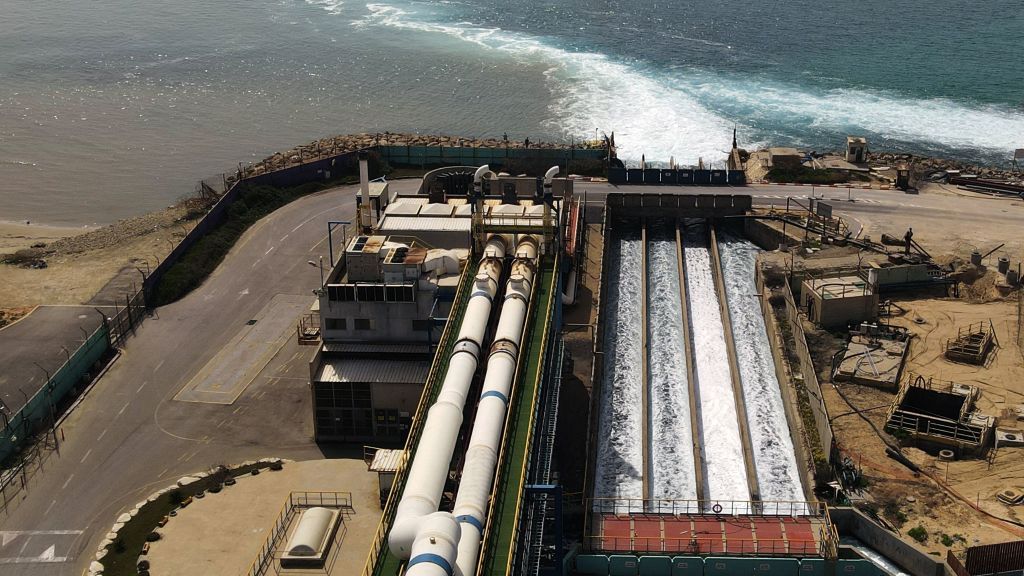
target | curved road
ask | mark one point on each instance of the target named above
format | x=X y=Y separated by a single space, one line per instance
x=129 y=437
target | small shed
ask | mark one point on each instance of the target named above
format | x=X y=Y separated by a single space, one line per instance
x=856 y=149
x=385 y=462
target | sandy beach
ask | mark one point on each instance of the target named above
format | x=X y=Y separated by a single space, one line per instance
x=16 y=236
x=82 y=260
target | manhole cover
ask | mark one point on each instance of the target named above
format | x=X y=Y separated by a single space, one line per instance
x=1011 y=436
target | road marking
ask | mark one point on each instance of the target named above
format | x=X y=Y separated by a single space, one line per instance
x=268 y=250
x=158 y=365
x=82 y=461
x=47 y=557
x=5 y=534
x=142 y=386
x=68 y=481
x=164 y=472
x=257 y=261
x=121 y=411
x=102 y=434
x=50 y=507
x=285 y=237
x=221 y=423
x=236 y=410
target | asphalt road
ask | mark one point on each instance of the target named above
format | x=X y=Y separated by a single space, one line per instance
x=129 y=437
x=34 y=347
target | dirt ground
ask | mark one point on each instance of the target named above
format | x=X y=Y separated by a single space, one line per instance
x=79 y=262
x=942 y=501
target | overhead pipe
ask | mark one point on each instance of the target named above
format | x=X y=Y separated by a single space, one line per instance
x=474 y=496
x=419 y=532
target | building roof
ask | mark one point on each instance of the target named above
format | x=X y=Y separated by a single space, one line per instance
x=839 y=287
x=386 y=460
x=375 y=370
x=391 y=223
x=375 y=348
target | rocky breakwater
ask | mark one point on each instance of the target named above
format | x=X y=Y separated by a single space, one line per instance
x=928 y=166
x=327 y=147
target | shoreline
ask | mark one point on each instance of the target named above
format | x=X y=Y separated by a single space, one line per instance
x=16 y=236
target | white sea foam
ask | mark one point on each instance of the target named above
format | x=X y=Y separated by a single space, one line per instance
x=689 y=113
x=619 y=467
x=593 y=93
x=725 y=474
x=330 y=6
x=778 y=477
x=934 y=121
x=671 y=466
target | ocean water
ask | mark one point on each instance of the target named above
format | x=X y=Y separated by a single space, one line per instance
x=109 y=109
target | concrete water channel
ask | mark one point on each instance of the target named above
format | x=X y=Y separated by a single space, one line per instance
x=691 y=409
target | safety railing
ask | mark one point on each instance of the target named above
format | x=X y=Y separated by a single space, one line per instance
x=630 y=506
x=501 y=553
x=296 y=501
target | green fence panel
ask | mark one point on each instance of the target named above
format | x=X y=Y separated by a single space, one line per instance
x=40 y=407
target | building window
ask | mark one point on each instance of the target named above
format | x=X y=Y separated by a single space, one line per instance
x=343 y=410
x=421 y=325
x=336 y=324
x=363 y=324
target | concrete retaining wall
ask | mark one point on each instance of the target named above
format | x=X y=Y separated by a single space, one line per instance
x=852 y=522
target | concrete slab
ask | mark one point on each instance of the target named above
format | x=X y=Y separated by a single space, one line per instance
x=222 y=533
x=34 y=344
x=227 y=374
x=873 y=362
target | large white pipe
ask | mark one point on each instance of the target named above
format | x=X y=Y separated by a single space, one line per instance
x=429 y=470
x=474 y=496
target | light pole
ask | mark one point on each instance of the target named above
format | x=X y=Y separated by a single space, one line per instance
x=321 y=266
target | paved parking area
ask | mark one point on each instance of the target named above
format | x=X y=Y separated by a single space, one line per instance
x=36 y=344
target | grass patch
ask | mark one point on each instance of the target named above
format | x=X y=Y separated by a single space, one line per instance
x=124 y=554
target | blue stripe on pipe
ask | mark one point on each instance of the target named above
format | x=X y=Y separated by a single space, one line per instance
x=471 y=520
x=433 y=559
x=494 y=393
x=482 y=293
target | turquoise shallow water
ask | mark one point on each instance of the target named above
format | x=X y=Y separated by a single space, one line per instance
x=109 y=109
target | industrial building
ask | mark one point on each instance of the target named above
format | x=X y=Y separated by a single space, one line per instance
x=442 y=325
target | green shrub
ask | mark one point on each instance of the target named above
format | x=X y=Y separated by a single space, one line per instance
x=918 y=533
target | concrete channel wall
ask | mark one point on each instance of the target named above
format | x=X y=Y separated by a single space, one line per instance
x=805 y=369
x=852 y=522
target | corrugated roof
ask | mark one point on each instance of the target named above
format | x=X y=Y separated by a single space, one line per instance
x=370 y=347
x=437 y=210
x=373 y=370
x=413 y=223
x=386 y=460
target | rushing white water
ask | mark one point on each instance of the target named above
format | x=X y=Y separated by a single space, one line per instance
x=778 y=477
x=619 y=467
x=725 y=475
x=671 y=463
x=884 y=564
x=593 y=91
